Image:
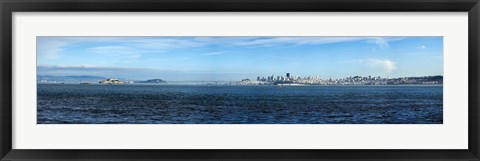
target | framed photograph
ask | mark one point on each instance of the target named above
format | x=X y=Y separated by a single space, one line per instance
x=239 y=80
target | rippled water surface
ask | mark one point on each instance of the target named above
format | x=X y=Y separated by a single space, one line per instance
x=171 y=104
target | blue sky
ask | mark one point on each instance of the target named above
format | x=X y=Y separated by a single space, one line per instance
x=236 y=58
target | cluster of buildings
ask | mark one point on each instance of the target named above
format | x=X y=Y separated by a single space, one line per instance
x=112 y=81
x=289 y=79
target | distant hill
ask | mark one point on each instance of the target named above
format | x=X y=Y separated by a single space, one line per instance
x=156 y=81
x=438 y=78
x=68 y=79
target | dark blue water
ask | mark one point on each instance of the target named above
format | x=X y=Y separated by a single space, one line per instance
x=170 y=104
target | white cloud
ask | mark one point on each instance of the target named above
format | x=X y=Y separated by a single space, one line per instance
x=381 y=42
x=384 y=64
x=421 y=47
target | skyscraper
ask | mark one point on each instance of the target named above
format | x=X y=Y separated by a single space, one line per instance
x=288 y=75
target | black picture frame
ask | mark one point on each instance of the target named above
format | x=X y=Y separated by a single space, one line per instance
x=7 y=7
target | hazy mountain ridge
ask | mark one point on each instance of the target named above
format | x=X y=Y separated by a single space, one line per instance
x=87 y=79
x=68 y=79
x=154 y=81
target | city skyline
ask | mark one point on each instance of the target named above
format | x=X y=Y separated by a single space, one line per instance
x=234 y=58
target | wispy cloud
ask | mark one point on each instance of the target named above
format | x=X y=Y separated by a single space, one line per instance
x=213 y=53
x=295 y=40
x=44 y=66
x=52 y=47
x=165 y=43
x=115 y=51
x=382 y=42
